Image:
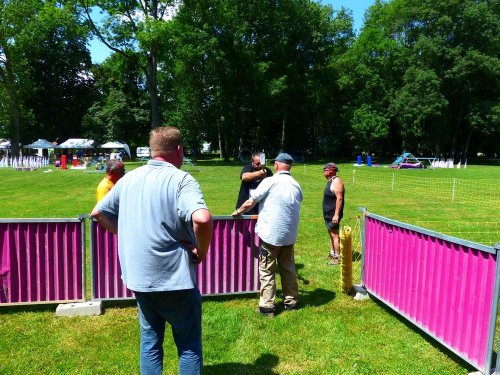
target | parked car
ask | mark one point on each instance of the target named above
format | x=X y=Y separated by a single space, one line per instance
x=143 y=152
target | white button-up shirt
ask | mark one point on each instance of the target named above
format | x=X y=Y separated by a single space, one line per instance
x=280 y=197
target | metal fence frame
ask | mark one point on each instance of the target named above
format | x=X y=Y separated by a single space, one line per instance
x=406 y=298
x=231 y=265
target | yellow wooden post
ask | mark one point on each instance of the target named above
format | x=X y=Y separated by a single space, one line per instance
x=346 y=256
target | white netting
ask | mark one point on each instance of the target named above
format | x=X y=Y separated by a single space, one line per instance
x=464 y=208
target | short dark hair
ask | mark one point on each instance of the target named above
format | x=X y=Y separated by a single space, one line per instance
x=115 y=166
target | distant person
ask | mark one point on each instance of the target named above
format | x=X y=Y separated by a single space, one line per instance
x=164 y=230
x=333 y=209
x=79 y=154
x=277 y=226
x=114 y=171
x=251 y=176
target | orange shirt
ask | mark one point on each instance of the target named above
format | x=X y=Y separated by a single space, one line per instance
x=103 y=188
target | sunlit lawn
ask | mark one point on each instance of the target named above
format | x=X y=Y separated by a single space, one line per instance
x=331 y=333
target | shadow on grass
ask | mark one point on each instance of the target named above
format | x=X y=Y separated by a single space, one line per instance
x=317 y=297
x=298 y=267
x=436 y=344
x=28 y=308
x=263 y=365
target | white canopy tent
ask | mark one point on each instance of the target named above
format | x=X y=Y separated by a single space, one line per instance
x=77 y=143
x=117 y=145
x=41 y=143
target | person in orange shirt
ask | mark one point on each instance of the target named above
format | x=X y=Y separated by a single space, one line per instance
x=114 y=171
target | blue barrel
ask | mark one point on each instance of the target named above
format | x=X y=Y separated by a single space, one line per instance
x=369 y=160
x=359 y=160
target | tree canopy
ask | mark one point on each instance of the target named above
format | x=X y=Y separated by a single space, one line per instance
x=264 y=75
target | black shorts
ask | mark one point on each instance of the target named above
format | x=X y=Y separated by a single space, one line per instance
x=330 y=226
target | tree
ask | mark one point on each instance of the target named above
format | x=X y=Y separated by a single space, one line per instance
x=135 y=29
x=43 y=66
x=254 y=69
x=121 y=113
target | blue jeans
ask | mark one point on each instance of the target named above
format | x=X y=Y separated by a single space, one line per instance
x=182 y=310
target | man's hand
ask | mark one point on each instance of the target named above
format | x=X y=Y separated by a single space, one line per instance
x=196 y=257
x=335 y=219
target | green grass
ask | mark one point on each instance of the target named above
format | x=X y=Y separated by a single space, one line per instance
x=330 y=334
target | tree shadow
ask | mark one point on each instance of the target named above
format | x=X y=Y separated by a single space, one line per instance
x=263 y=366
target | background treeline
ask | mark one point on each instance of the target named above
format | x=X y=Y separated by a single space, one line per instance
x=265 y=75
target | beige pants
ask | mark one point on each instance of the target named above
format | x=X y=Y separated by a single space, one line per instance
x=270 y=258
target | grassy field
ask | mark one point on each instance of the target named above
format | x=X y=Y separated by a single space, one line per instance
x=330 y=334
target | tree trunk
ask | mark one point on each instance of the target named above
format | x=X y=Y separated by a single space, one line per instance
x=152 y=82
x=283 y=133
x=14 y=105
x=467 y=143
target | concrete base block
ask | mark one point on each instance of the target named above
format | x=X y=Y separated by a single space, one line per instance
x=361 y=293
x=79 y=309
x=492 y=371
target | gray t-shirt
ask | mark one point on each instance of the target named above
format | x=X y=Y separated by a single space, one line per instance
x=154 y=204
x=279 y=208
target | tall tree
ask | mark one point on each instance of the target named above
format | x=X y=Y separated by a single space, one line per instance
x=135 y=29
x=122 y=112
x=253 y=67
x=43 y=69
x=55 y=50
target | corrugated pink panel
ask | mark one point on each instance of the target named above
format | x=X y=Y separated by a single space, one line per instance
x=443 y=287
x=231 y=265
x=40 y=262
x=106 y=272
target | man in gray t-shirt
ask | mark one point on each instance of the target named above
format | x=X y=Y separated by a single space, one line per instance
x=164 y=230
x=277 y=225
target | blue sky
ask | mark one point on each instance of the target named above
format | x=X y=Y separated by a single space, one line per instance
x=99 y=51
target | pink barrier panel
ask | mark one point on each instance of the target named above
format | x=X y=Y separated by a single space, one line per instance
x=447 y=287
x=41 y=261
x=106 y=272
x=231 y=265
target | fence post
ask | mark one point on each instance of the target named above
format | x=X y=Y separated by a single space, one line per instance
x=453 y=191
x=346 y=252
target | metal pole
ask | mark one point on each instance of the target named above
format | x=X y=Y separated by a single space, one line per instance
x=393 y=181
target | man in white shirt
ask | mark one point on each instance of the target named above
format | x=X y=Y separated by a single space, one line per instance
x=279 y=199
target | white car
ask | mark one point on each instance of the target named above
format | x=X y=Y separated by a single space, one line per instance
x=143 y=152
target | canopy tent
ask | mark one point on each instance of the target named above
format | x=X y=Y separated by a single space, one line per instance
x=41 y=143
x=117 y=145
x=4 y=143
x=77 y=143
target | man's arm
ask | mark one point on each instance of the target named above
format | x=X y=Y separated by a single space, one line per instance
x=109 y=223
x=247 y=205
x=337 y=188
x=252 y=176
x=203 y=231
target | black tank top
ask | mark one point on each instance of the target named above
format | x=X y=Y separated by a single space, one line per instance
x=330 y=202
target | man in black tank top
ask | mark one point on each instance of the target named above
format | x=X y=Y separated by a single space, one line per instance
x=333 y=208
